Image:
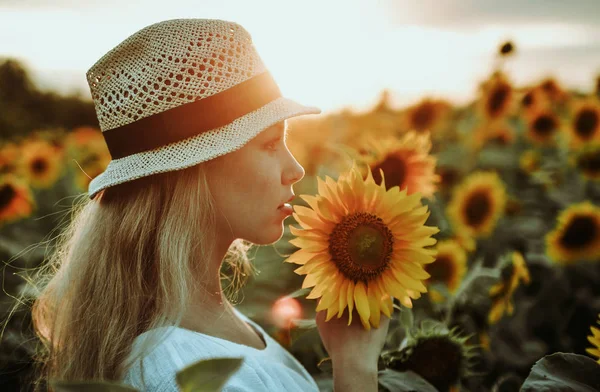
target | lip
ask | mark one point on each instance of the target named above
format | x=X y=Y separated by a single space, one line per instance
x=287 y=201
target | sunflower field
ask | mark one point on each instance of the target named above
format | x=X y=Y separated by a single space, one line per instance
x=475 y=228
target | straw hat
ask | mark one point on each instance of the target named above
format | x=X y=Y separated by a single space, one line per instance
x=180 y=92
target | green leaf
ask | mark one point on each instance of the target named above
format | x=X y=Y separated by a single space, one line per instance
x=207 y=375
x=90 y=386
x=563 y=372
x=407 y=381
x=300 y=293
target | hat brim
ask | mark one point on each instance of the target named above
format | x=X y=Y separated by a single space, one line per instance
x=199 y=148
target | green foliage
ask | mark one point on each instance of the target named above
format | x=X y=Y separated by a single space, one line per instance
x=562 y=372
x=203 y=376
x=394 y=381
x=207 y=376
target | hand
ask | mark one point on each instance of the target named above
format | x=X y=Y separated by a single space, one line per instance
x=352 y=345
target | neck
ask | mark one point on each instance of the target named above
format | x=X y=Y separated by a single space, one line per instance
x=207 y=302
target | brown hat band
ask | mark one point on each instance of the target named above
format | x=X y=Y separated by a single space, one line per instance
x=193 y=118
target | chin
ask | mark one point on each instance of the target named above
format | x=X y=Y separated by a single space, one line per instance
x=266 y=235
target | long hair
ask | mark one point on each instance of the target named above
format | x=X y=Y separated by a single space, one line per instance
x=125 y=264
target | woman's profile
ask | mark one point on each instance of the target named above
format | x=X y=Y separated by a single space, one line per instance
x=200 y=171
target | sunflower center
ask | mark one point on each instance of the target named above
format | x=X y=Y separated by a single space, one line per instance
x=438 y=359
x=497 y=100
x=394 y=169
x=590 y=162
x=7 y=193
x=440 y=270
x=528 y=99
x=544 y=125
x=361 y=246
x=586 y=122
x=477 y=208
x=423 y=116
x=580 y=232
x=39 y=166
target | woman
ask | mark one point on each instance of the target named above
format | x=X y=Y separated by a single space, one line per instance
x=200 y=170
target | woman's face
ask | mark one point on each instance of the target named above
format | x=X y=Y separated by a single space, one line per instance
x=249 y=185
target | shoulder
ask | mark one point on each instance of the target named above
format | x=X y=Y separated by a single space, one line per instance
x=168 y=355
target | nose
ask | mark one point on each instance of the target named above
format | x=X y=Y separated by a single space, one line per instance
x=294 y=173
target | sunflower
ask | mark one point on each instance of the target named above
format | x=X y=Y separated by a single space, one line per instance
x=501 y=293
x=497 y=97
x=427 y=115
x=9 y=157
x=477 y=204
x=506 y=49
x=533 y=100
x=595 y=340
x=585 y=123
x=449 y=266
x=16 y=199
x=405 y=162
x=577 y=234
x=497 y=132
x=587 y=161
x=361 y=245
x=542 y=127
x=440 y=355
x=530 y=161
x=87 y=146
x=41 y=163
x=552 y=90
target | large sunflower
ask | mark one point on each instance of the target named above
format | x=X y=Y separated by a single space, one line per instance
x=502 y=292
x=16 y=199
x=585 y=123
x=496 y=99
x=542 y=127
x=449 y=266
x=405 y=162
x=361 y=245
x=477 y=204
x=587 y=161
x=577 y=234
x=595 y=340
x=41 y=163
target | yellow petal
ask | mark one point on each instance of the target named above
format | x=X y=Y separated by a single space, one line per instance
x=311 y=265
x=309 y=245
x=362 y=303
x=416 y=271
x=350 y=300
x=343 y=298
x=408 y=281
x=373 y=297
x=396 y=290
x=302 y=257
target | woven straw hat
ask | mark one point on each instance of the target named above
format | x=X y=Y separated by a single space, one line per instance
x=180 y=92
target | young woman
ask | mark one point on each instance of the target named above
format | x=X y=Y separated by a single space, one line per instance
x=200 y=170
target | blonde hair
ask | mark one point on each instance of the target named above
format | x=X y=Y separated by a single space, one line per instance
x=125 y=264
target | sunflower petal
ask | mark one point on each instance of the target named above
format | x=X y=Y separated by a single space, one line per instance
x=350 y=300
x=362 y=303
x=373 y=297
x=343 y=298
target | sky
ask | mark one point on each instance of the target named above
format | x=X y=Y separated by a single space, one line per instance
x=330 y=53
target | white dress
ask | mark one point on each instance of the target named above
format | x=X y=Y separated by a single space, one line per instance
x=272 y=369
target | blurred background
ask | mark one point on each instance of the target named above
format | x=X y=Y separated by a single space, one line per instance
x=511 y=87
